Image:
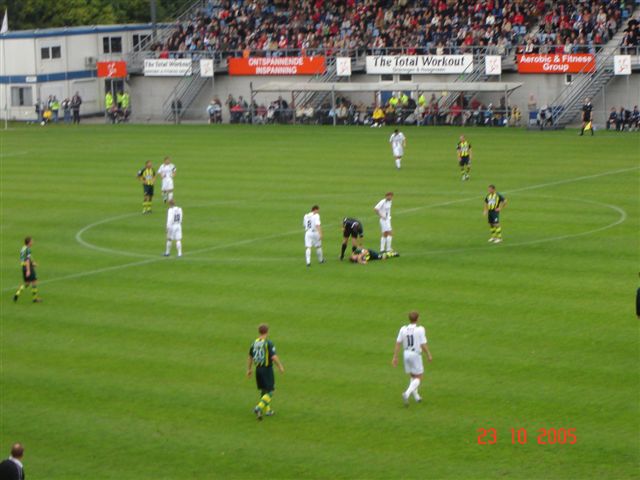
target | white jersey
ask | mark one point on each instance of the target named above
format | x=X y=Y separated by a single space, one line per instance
x=311 y=222
x=174 y=217
x=412 y=337
x=384 y=209
x=167 y=172
x=397 y=140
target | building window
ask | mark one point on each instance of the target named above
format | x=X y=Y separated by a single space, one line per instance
x=21 y=97
x=45 y=53
x=112 y=45
x=56 y=52
x=140 y=42
x=403 y=77
x=386 y=78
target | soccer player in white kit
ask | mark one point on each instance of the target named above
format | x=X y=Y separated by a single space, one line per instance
x=313 y=234
x=398 y=142
x=413 y=340
x=174 y=228
x=383 y=210
x=167 y=171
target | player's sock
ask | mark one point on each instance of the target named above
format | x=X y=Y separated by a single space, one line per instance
x=493 y=232
x=179 y=247
x=320 y=255
x=416 y=395
x=264 y=402
x=388 y=249
x=383 y=242
x=170 y=195
x=413 y=385
x=167 y=250
x=467 y=171
x=342 y=250
x=20 y=289
x=307 y=255
x=34 y=292
x=498 y=232
x=397 y=163
x=164 y=197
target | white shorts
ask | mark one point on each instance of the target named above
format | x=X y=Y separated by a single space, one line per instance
x=385 y=225
x=167 y=184
x=174 y=233
x=312 y=239
x=398 y=151
x=413 y=363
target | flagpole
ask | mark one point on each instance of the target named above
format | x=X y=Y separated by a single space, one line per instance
x=4 y=30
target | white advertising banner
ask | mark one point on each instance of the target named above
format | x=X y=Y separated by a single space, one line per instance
x=622 y=64
x=167 y=67
x=343 y=66
x=493 y=65
x=206 y=67
x=416 y=64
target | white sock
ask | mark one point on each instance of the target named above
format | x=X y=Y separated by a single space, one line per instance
x=388 y=249
x=398 y=162
x=383 y=242
x=413 y=386
x=307 y=255
x=416 y=395
x=319 y=253
x=170 y=196
x=168 y=249
x=179 y=247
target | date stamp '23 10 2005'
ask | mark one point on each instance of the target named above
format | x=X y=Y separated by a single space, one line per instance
x=519 y=436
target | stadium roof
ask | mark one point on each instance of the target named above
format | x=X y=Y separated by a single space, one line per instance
x=387 y=86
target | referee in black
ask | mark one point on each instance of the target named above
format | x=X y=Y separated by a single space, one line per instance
x=351 y=227
x=587 y=116
x=11 y=468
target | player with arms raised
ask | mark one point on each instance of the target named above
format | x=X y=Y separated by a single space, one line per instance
x=313 y=234
x=412 y=338
x=167 y=172
x=398 y=141
x=174 y=228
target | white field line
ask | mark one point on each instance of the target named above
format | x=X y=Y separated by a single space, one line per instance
x=292 y=232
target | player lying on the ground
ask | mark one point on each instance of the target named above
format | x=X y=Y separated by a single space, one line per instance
x=363 y=255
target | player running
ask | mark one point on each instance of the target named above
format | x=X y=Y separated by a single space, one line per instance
x=464 y=157
x=167 y=172
x=262 y=353
x=147 y=177
x=29 y=276
x=398 y=141
x=383 y=210
x=351 y=227
x=364 y=256
x=494 y=202
x=174 y=228
x=412 y=338
x=587 y=118
x=313 y=234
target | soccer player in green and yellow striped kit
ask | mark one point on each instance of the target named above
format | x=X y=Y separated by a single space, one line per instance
x=28 y=272
x=263 y=354
x=494 y=203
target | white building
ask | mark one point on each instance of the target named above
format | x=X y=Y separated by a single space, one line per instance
x=61 y=61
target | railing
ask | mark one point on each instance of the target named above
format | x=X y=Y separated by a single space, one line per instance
x=584 y=84
x=184 y=93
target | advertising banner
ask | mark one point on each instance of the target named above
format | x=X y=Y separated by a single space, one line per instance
x=343 y=66
x=206 y=67
x=622 y=64
x=277 y=66
x=112 y=69
x=416 y=64
x=167 y=67
x=493 y=65
x=556 y=63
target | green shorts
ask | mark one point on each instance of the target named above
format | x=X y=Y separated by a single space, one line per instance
x=265 y=379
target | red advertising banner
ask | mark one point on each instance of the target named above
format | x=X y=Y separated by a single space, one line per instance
x=556 y=63
x=277 y=66
x=112 y=69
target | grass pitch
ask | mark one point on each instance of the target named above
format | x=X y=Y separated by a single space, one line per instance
x=133 y=367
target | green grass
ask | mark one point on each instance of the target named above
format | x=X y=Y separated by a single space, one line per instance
x=134 y=365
